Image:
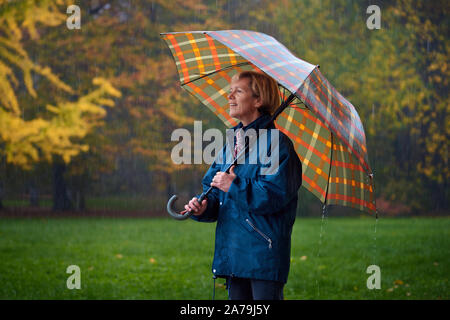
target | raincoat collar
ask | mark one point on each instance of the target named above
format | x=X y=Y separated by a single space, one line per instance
x=258 y=123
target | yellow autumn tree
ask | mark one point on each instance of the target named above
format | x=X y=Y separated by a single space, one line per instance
x=61 y=127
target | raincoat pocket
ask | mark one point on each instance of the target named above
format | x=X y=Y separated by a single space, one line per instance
x=252 y=227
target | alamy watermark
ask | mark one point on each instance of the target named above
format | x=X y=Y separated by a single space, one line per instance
x=74 y=20
x=73 y=281
x=374 y=20
x=263 y=147
x=374 y=281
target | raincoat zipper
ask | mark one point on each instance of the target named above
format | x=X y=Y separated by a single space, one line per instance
x=260 y=232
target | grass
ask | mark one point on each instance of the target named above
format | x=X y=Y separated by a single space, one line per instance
x=168 y=259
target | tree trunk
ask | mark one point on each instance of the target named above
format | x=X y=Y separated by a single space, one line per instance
x=80 y=204
x=169 y=186
x=61 y=200
x=1 y=195
x=441 y=197
x=34 y=195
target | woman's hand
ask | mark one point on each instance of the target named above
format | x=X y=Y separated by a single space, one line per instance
x=195 y=206
x=223 y=180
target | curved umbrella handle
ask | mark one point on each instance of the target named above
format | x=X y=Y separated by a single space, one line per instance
x=184 y=216
x=181 y=216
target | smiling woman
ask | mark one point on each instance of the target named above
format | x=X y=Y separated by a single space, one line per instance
x=254 y=212
x=250 y=96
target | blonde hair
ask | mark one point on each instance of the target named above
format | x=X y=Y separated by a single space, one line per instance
x=263 y=87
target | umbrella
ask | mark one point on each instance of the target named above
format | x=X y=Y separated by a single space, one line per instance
x=324 y=127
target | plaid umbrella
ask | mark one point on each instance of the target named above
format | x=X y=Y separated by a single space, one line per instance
x=324 y=127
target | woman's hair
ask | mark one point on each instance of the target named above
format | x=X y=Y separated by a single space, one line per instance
x=264 y=87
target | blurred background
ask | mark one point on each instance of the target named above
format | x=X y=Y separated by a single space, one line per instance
x=86 y=114
x=88 y=106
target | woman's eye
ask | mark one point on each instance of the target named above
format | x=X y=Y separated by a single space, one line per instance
x=235 y=91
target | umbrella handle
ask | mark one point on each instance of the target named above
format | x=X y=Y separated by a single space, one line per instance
x=182 y=216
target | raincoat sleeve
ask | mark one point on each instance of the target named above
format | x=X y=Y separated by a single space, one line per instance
x=268 y=194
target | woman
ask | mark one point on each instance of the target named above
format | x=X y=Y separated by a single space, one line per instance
x=254 y=212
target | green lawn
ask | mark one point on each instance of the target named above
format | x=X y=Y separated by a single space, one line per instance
x=168 y=259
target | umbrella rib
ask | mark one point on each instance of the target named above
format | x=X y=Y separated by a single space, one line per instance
x=206 y=75
x=292 y=104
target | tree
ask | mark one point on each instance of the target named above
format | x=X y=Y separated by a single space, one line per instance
x=124 y=44
x=396 y=77
x=405 y=81
x=55 y=133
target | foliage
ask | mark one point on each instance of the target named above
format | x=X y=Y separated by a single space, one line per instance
x=123 y=43
x=26 y=142
x=58 y=130
x=405 y=82
x=396 y=77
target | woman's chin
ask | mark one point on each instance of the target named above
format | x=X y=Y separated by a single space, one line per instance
x=234 y=114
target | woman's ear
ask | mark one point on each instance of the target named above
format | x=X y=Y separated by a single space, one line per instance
x=258 y=102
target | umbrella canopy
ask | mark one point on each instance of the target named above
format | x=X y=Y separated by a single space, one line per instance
x=324 y=127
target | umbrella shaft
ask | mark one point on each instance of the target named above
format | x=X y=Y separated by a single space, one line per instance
x=281 y=108
x=275 y=115
x=204 y=194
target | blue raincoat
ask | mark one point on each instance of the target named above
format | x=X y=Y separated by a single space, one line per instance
x=256 y=215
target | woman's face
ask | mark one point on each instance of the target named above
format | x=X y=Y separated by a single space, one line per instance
x=243 y=105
